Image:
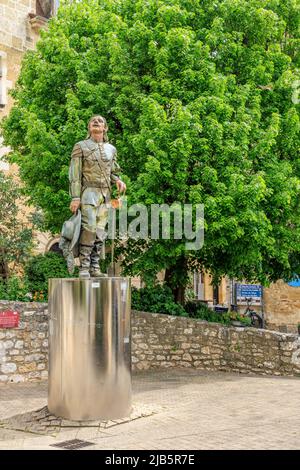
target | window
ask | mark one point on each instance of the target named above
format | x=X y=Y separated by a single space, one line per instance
x=198 y=285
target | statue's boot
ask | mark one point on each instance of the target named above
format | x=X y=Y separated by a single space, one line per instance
x=87 y=240
x=85 y=260
x=95 y=258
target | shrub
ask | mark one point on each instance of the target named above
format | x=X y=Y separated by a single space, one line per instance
x=202 y=312
x=42 y=267
x=240 y=317
x=15 y=289
x=157 y=299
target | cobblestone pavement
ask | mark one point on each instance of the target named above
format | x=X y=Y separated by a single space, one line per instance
x=194 y=410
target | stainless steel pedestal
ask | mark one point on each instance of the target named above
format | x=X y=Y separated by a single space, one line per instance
x=89 y=348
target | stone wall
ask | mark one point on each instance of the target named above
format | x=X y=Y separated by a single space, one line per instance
x=162 y=341
x=24 y=350
x=158 y=341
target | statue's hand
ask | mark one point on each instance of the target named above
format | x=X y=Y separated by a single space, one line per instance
x=121 y=186
x=74 y=206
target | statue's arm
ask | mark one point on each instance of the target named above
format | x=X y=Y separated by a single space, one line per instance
x=115 y=170
x=75 y=172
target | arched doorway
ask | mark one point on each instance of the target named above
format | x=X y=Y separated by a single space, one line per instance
x=55 y=248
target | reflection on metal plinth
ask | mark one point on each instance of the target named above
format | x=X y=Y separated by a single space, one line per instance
x=89 y=348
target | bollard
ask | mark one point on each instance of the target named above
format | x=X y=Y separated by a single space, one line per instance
x=89 y=348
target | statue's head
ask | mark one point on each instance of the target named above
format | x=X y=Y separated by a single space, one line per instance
x=95 y=123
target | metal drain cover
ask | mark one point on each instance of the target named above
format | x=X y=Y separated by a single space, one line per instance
x=73 y=444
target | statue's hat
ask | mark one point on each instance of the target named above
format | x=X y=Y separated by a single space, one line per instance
x=71 y=229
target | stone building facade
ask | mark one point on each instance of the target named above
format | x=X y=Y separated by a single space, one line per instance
x=280 y=303
x=20 y=25
x=282 y=307
x=19 y=31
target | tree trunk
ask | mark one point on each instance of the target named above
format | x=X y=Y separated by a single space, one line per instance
x=3 y=268
x=176 y=278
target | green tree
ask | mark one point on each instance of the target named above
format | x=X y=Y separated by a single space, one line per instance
x=200 y=98
x=15 y=232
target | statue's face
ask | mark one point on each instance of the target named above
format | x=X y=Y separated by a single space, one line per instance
x=97 y=124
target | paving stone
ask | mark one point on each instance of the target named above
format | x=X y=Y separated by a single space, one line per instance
x=191 y=409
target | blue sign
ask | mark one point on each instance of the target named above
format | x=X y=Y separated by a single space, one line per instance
x=251 y=292
x=295 y=282
x=248 y=290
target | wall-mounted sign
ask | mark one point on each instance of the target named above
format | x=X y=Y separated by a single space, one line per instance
x=9 y=319
x=248 y=293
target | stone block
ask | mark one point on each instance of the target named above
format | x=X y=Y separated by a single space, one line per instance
x=166 y=364
x=184 y=364
x=269 y=365
x=143 y=346
x=288 y=346
x=29 y=313
x=180 y=338
x=160 y=358
x=188 y=331
x=19 y=358
x=34 y=375
x=17 y=378
x=14 y=352
x=143 y=365
x=10 y=334
x=140 y=356
x=27 y=368
x=187 y=357
x=8 y=368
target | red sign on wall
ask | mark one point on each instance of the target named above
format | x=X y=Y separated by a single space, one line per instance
x=9 y=319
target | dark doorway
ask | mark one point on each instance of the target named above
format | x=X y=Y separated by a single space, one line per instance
x=216 y=294
x=55 y=249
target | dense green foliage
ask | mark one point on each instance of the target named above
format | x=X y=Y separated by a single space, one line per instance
x=33 y=286
x=15 y=289
x=40 y=268
x=156 y=300
x=203 y=312
x=198 y=96
x=159 y=299
x=15 y=232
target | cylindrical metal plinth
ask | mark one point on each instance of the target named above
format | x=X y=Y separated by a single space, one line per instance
x=89 y=348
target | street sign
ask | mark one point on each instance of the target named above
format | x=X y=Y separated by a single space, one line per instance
x=244 y=292
x=9 y=319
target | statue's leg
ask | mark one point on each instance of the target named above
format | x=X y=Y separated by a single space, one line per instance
x=101 y=235
x=87 y=238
